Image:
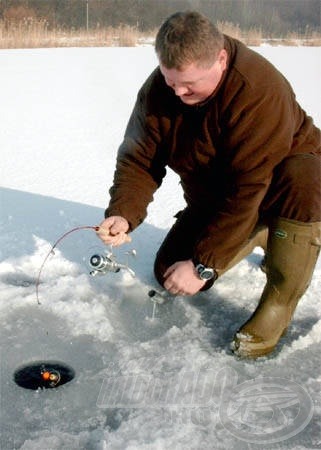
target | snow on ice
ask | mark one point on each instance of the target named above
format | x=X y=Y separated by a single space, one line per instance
x=167 y=383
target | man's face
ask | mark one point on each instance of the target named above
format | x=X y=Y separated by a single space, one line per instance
x=193 y=84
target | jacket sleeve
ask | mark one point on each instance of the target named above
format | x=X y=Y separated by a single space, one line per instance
x=257 y=137
x=140 y=165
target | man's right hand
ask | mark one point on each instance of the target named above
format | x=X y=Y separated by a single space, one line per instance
x=112 y=231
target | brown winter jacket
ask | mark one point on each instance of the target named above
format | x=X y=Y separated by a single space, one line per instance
x=224 y=150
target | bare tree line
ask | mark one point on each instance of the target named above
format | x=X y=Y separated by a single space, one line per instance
x=272 y=17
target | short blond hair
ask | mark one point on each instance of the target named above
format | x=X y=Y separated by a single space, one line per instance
x=188 y=37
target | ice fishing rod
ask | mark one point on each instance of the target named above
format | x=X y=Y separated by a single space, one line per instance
x=101 y=264
x=52 y=374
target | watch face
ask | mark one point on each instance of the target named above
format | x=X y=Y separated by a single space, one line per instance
x=207 y=274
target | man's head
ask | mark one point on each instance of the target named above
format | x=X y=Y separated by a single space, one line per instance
x=188 y=37
x=191 y=55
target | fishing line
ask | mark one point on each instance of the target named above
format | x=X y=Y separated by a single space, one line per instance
x=46 y=374
x=51 y=374
x=51 y=252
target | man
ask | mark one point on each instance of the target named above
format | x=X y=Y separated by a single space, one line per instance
x=227 y=122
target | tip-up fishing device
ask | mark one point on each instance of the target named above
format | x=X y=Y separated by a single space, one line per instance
x=158 y=298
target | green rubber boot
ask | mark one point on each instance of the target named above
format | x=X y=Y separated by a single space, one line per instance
x=292 y=253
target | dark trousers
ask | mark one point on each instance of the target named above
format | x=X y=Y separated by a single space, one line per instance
x=295 y=193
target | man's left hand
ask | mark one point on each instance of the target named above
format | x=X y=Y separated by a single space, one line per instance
x=181 y=278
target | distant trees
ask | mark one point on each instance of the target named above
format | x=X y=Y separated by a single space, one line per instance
x=273 y=17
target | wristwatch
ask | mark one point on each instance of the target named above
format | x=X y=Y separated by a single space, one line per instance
x=205 y=273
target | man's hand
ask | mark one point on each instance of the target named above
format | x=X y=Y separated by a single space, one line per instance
x=182 y=279
x=112 y=231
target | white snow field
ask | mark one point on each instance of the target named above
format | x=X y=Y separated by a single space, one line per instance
x=167 y=383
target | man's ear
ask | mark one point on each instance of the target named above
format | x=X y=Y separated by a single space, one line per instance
x=222 y=59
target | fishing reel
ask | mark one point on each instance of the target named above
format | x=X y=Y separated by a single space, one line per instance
x=102 y=263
